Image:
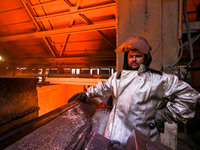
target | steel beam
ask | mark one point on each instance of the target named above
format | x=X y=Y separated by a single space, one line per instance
x=38 y=27
x=47 y=2
x=19 y=8
x=84 y=10
x=71 y=23
x=50 y=46
x=30 y=13
x=86 y=28
x=66 y=59
x=68 y=2
x=65 y=45
x=100 y=32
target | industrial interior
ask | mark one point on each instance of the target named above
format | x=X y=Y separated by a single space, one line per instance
x=53 y=49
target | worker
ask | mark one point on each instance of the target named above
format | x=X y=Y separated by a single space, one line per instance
x=143 y=98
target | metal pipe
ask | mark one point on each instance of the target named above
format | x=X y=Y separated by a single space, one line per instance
x=180 y=33
x=188 y=32
x=180 y=19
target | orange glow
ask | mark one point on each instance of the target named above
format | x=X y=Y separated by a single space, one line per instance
x=38 y=30
x=53 y=96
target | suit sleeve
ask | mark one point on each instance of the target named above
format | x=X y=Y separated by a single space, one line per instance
x=102 y=88
x=183 y=98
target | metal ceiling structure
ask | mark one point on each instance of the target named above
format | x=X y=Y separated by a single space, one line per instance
x=63 y=33
x=79 y=33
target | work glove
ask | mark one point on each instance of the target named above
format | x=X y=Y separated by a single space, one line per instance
x=79 y=96
x=161 y=116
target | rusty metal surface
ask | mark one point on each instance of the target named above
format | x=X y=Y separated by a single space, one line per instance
x=15 y=92
x=139 y=141
x=97 y=142
x=11 y=136
x=18 y=98
x=17 y=115
x=63 y=132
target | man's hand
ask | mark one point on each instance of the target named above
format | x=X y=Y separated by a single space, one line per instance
x=79 y=96
x=161 y=117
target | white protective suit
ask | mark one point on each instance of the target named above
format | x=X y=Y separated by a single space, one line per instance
x=136 y=97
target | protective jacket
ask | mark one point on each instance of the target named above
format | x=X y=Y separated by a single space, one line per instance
x=136 y=97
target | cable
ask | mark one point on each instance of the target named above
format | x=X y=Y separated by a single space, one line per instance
x=188 y=32
x=181 y=53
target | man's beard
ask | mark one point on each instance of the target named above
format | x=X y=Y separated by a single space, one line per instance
x=131 y=68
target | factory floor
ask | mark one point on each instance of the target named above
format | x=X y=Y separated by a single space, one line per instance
x=187 y=144
x=189 y=135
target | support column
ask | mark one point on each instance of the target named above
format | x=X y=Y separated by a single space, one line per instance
x=155 y=20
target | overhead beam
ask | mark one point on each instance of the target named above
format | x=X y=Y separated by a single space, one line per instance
x=83 y=10
x=68 y=2
x=19 y=8
x=52 y=1
x=100 y=32
x=43 y=3
x=72 y=22
x=39 y=34
x=26 y=5
x=30 y=13
x=106 y=39
x=65 y=45
x=68 y=60
x=78 y=3
x=49 y=45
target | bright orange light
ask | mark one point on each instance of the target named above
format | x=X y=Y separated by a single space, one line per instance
x=1 y=58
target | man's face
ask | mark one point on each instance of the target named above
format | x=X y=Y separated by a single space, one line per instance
x=135 y=59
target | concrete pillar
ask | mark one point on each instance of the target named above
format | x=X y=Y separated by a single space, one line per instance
x=155 y=20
